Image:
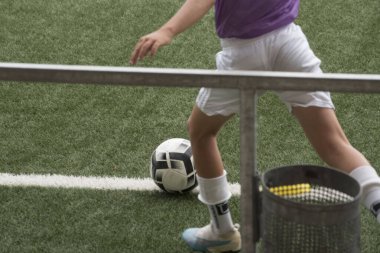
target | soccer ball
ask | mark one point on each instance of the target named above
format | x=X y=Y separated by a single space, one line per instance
x=172 y=166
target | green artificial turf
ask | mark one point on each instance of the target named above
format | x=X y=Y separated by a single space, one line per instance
x=95 y=130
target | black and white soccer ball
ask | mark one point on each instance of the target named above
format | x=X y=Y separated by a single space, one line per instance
x=172 y=166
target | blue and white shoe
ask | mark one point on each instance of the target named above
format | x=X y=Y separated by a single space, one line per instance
x=205 y=239
x=375 y=209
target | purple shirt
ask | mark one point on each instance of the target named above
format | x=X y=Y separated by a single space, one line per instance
x=245 y=19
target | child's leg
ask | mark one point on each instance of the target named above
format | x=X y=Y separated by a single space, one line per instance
x=315 y=112
x=203 y=132
x=327 y=137
x=211 y=176
x=221 y=235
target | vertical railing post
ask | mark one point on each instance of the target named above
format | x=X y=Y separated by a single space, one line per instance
x=248 y=180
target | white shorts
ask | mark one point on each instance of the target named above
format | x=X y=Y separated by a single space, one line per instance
x=285 y=49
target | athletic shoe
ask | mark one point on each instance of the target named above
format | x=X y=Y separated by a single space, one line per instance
x=375 y=209
x=205 y=239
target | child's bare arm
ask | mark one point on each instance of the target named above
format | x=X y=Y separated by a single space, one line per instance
x=190 y=12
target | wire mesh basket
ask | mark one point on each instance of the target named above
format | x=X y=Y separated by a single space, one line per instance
x=310 y=209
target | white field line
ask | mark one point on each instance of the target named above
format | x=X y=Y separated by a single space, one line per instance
x=99 y=183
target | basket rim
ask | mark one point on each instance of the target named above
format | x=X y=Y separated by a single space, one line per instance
x=311 y=206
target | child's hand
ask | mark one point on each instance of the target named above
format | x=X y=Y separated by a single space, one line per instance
x=149 y=44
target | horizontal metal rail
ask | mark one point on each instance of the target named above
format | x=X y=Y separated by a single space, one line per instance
x=247 y=81
x=131 y=76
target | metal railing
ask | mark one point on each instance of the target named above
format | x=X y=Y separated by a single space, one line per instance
x=249 y=82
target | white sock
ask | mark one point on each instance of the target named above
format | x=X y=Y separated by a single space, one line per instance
x=214 y=192
x=221 y=217
x=370 y=183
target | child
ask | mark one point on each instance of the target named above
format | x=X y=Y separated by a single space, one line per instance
x=255 y=35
